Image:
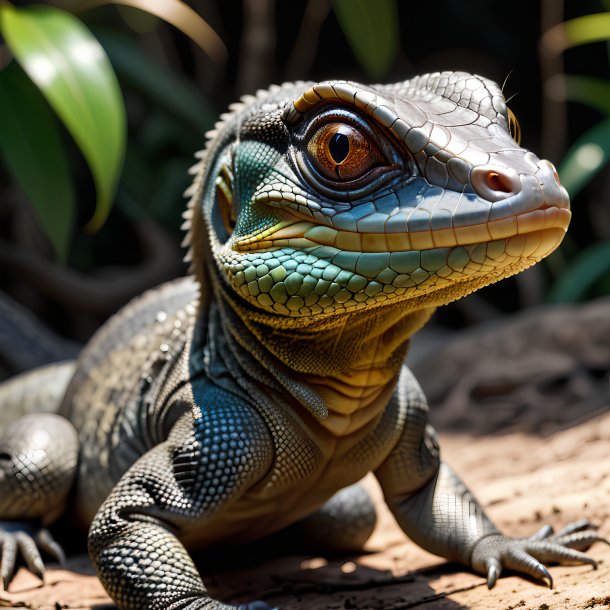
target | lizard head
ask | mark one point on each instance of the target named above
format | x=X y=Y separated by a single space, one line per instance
x=328 y=198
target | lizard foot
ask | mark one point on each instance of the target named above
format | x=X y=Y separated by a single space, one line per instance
x=528 y=555
x=17 y=538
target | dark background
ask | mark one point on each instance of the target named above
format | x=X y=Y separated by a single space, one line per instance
x=272 y=41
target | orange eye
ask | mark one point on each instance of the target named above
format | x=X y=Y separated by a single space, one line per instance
x=340 y=151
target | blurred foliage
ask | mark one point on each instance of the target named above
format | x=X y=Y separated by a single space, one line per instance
x=587 y=269
x=176 y=76
x=32 y=149
x=70 y=68
x=371 y=29
x=588 y=154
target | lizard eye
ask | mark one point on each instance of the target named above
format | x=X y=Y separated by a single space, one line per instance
x=342 y=152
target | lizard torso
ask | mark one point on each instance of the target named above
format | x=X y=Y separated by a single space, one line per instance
x=159 y=371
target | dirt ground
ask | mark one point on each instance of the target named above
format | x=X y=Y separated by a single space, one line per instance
x=523 y=481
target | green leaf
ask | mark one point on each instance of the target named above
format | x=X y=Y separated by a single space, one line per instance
x=32 y=150
x=585 y=158
x=72 y=70
x=587 y=29
x=168 y=91
x=593 y=92
x=582 y=30
x=371 y=29
x=585 y=270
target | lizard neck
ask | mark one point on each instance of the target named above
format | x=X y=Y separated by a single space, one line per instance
x=347 y=365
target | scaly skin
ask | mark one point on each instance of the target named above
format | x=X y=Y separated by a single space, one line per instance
x=326 y=223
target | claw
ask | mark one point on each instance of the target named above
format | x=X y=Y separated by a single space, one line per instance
x=547 y=577
x=45 y=541
x=494 y=569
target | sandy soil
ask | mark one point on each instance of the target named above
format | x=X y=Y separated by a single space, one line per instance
x=523 y=481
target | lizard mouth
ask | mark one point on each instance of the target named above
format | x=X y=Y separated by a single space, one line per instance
x=549 y=221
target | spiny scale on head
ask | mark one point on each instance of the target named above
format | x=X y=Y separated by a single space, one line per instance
x=197 y=169
x=188 y=193
x=247 y=99
x=236 y=106
x=192 y=192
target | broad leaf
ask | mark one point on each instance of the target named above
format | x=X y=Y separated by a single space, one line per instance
x=575 y=32
x=371 y=29
x=587 y=29
x=72 y=70
x=32 y=150
x=585 y=158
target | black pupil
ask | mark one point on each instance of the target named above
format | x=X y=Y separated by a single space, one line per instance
x=339 y=147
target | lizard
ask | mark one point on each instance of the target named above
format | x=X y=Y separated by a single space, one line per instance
x=326 y=222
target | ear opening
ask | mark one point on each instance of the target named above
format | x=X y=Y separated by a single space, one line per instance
x=225 y=207
x=513 y=126
x=224 y=203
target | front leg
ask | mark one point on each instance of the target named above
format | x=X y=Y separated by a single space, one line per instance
x=38 y=457
x=438 y=512
x=134 y=540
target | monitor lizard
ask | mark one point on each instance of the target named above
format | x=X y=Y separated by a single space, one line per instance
x=326 y=222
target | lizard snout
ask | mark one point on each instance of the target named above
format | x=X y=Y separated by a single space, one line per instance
x=540 y=184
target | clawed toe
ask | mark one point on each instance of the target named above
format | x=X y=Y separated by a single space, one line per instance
x=529 y=555
x=18 y=540
x=8 y=558
x=521 y=560
x=546 y=531
x=577 y=526
x=22 y=543
x=552 y=552
x=579 y=540
x=578 y=536
x=47 y=543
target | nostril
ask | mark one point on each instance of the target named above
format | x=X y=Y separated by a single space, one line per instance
x=494 y=183
x=498 y=182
